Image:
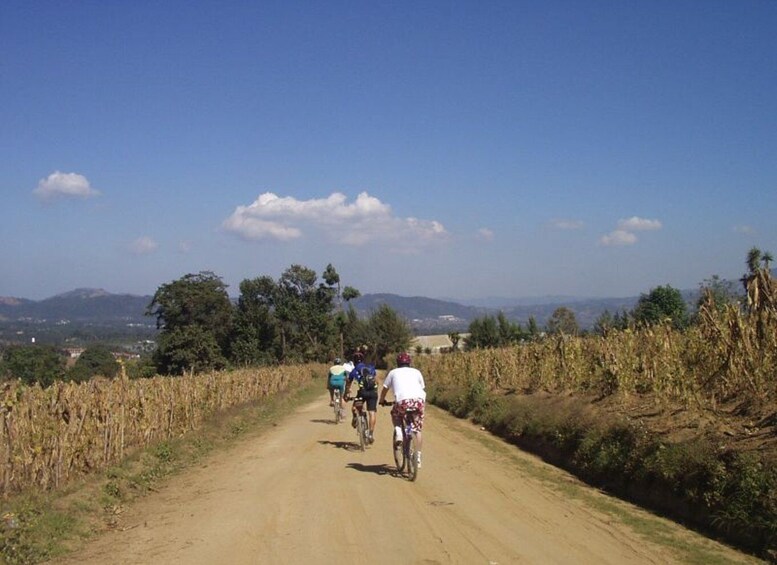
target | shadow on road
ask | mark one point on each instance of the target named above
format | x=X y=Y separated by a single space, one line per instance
x=347 y=445
x=382 y=469
x=323 y=421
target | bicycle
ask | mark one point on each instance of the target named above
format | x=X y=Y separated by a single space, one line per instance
x=337 y=405
x=362 y=426
x=406 y=452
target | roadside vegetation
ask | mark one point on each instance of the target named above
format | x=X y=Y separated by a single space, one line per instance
x=677 y=412
x=38 y=524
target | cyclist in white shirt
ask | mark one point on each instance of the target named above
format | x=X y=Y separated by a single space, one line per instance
x=407 y=384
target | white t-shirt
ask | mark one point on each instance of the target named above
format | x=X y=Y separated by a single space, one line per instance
x=406 y=383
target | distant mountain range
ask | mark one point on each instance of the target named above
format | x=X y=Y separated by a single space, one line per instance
x=79 y=305
x=427 y=315
x=99 y=307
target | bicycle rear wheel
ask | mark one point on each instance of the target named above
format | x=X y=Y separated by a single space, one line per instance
x=399 y=455
x=412 y=458
x=337 y=406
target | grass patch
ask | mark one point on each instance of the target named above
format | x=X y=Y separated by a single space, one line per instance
x=38 y=526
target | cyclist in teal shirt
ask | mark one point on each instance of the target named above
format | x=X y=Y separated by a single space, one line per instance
x=337 y=376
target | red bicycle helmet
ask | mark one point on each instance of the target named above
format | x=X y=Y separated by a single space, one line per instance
x=403 y=359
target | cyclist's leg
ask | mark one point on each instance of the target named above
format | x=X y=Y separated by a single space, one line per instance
x=341 y=386
x=418 y=423
x=353 y=404
x=353 y=407
x=372 y=409
x=397 y=411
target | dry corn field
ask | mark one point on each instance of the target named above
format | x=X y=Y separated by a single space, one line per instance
x=729 y=354
x=51 y=435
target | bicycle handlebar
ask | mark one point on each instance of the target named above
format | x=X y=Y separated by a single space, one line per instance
x=349 y=398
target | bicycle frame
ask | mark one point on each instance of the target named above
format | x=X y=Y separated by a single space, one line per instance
x=362 y=425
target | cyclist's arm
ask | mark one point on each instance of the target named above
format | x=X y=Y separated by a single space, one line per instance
x=388 y=382
x=348 y=381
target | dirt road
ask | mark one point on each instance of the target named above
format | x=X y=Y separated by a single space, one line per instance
x=303 y=493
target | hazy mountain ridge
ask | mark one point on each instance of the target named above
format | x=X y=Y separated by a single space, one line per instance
x=81 y=304
x=417 y=307
x=427 y=315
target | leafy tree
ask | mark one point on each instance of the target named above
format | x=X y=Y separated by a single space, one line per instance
x=95 y=360
x=661 y=303
x=532 y=329
x=332 y=280
x=254 y=340
x=304 y=313
x=604 y=323
x=483 y=333
x=188 y=348
x=195 y=315
x=508 y=332
x=32 y=364
x=607 y=322
x=562 y=321
x=388 y=333
x=488 y=332
x=721 y=292
x=350 y=293
x=142 y=368
x=356 y=332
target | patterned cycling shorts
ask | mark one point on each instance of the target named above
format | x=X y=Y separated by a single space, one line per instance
x=399 y=409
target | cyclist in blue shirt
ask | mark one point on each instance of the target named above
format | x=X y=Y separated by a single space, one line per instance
x=366 y=379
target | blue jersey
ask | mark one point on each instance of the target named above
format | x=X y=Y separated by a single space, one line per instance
x=356 y=374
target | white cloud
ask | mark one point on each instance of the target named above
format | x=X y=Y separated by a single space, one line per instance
x=746 y=230
x=143 y=245
x=638 y=224
x=485 y=234
x=566 y=224
x=365 y=220
x=624 y=232
x=64 y=185
x=618 y=238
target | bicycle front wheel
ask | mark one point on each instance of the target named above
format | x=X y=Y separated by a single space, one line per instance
x=361 y=431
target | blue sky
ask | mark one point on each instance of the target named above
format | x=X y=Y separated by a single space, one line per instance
x=444 y=149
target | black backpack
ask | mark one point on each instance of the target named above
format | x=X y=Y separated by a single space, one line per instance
x=368 y=379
